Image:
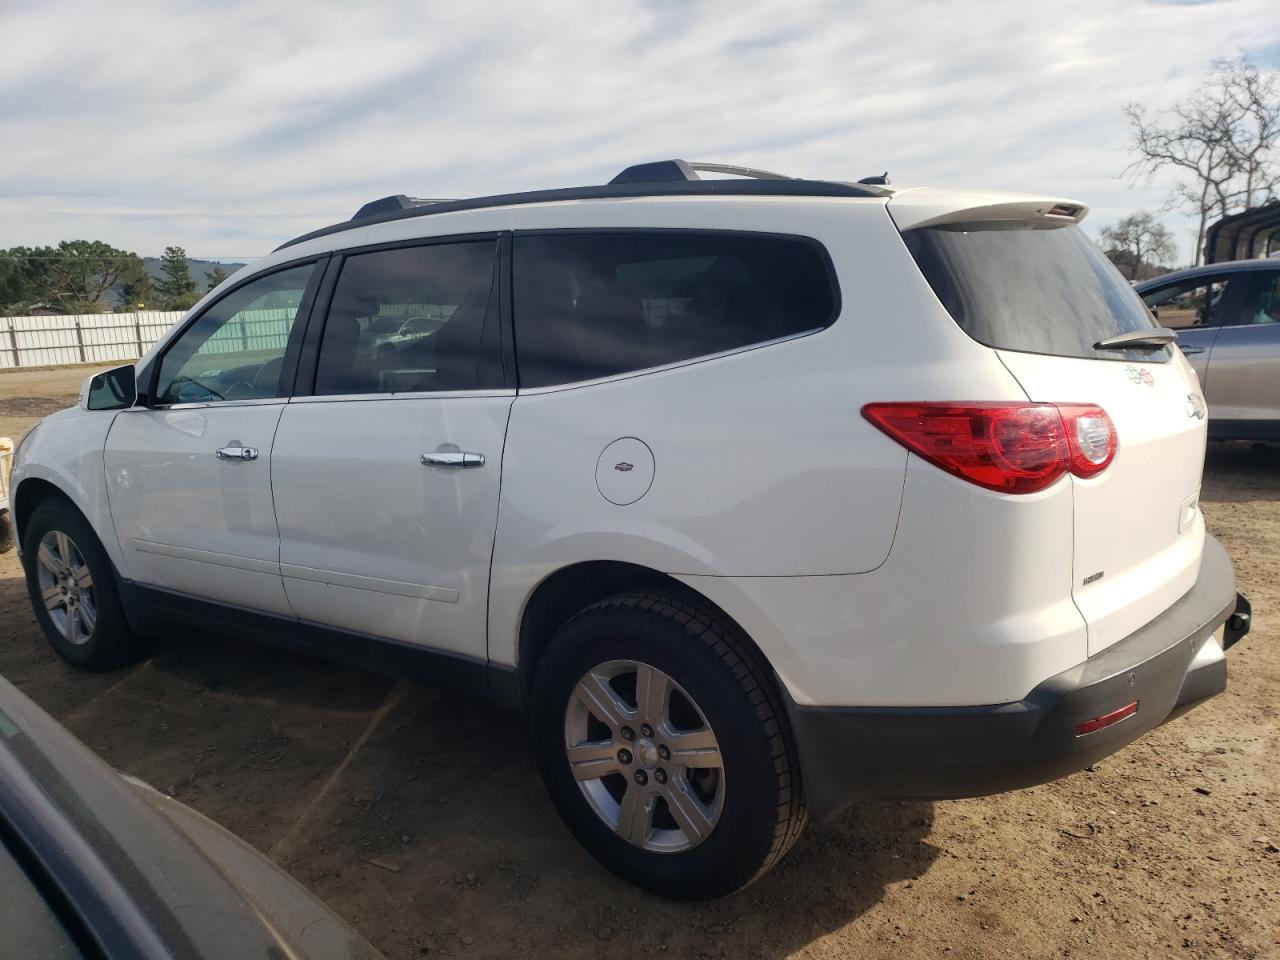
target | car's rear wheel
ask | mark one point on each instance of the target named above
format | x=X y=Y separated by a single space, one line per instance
x=665 y=748
x=73 y=590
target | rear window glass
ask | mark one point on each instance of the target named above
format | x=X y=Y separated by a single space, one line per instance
x=1048 y=291
x=594 y=304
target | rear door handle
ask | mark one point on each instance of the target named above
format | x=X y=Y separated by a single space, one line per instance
x=1190 y=349
x=237 y=453
x=453 y=458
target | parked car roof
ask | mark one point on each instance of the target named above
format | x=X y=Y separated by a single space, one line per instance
x=1207 y=270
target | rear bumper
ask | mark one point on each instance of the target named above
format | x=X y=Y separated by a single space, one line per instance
x=1168 y=666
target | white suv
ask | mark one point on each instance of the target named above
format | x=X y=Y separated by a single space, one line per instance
x=757 y=495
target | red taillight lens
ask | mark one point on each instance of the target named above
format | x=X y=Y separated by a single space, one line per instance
x=1009 y=447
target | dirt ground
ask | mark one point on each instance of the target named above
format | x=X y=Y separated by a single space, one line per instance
x=1169 y=849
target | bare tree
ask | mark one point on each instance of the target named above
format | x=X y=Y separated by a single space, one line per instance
x=1222 y=140
x=1137 y=242
x=1255 y=97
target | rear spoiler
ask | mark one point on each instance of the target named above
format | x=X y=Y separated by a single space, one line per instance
x=926 y=207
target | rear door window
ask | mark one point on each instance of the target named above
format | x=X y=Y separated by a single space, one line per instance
x=596 y=304
x=412 y=320
x=1257 y=301
x=1048 y=291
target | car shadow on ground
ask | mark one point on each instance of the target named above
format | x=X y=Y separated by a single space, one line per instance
x=418 y=814
x=442 y=817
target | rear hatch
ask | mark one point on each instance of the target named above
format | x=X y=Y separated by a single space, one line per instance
x=1023 y=279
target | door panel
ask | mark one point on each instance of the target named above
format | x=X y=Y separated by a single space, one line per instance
x=1196 y=343
x=189 y=480
x=377 y=542
x=1244 y=372
x=1244 y=364
x=189 y=521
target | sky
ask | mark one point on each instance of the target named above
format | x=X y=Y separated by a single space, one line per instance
x=227 y=127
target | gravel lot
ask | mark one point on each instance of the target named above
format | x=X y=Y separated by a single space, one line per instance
x=419 y=816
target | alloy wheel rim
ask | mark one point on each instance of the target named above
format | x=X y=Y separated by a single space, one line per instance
x=66 y=587
x=644 y=756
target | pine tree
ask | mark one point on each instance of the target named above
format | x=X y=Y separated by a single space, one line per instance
x=137 y=291
x=215 y=277
x=176 y=288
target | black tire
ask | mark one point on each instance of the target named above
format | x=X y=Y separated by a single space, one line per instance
x=111 y=643
x=762 y=812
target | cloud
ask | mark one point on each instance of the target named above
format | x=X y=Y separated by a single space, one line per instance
x=227 y=127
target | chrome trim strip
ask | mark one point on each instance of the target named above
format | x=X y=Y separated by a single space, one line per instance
x=252 y=564
x=398 y=588
x=407 y=395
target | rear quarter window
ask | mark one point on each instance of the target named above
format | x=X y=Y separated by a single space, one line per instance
x=1047 y=291
x=594 y=304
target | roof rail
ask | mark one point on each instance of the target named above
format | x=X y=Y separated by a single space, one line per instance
x=664 y=178
x=669 y=171
x=393 y=204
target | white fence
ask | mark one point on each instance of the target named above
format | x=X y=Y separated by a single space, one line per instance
x=84 y=338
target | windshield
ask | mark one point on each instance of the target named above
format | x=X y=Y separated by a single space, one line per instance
x=1048 y=291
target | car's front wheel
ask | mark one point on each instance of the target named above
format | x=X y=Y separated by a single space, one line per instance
x=72 y=586
x=665 y=748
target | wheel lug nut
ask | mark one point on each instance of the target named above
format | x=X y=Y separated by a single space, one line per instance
x=641 y=777
x=664 y=752
x=624 y=756
x=660 y=775
x=627 y=733
x=646 y=730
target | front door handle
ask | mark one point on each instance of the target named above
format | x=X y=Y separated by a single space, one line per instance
x=452 y=458
x=1188 y=349
x=237 y=453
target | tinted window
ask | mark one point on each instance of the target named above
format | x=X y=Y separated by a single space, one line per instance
x=1192 y=303
x=411 y=319
x=235 y=350
x=1037 y=291
x=593 y=305
x=1258 y=300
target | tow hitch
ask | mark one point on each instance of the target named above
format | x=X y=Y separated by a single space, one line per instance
x=1238 y=623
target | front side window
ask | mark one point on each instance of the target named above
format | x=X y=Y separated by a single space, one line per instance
x=235 y=349
x=591 y=305
x=1192 y=303
x=411 y=319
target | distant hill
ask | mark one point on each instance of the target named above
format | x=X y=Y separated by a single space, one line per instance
x=196 y=268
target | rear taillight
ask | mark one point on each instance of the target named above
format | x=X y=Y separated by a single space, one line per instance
x=1091 y=436
x=1010 y=447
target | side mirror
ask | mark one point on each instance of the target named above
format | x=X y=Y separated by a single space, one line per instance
x=113 y=390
